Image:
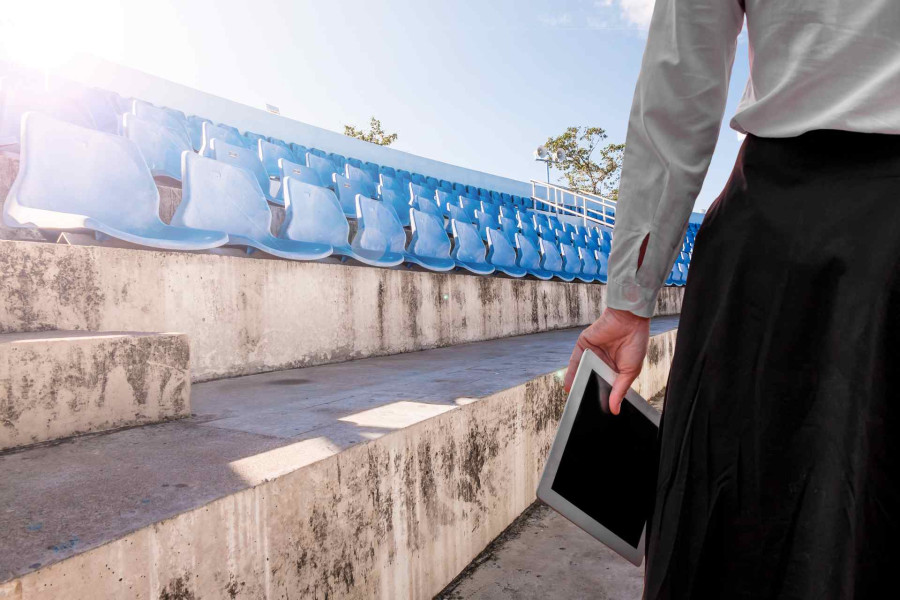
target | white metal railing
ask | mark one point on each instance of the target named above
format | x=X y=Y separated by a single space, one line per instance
x=561 y=200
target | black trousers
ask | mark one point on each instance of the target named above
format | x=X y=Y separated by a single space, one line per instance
x=779 y=470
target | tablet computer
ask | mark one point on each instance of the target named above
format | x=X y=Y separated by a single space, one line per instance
x=601 y=471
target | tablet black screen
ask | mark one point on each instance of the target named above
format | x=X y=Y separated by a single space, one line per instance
x=608 y=468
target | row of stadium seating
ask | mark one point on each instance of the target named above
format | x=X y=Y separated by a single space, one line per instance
x=383 y=200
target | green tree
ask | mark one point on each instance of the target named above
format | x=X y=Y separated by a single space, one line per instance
x=374 y=135
x=589 y=165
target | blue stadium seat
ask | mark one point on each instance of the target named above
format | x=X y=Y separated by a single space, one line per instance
x=427 y=205
x=394 y=183
x=459 y=189
x=160 y=146
x=416 y=179
x=510 y=213
x=468 y=249
x=502 y=254
x=358 y=174
x=485 y=222
x=298 y=172
x=372 y=169
x=571 y=261
x=220 y=196
x=528 y=230
x=270 y=154
x=347 y=190
x=472 y=191
x=416 y=189
x=589 y=265
x=444 y=198
x=602 y=260
x=281 y=144
x=432 y=182
x=340 y=161
x=490 y=209
x=323 y=166
x=195 y=130
x=227 y=135
x=251 y=140
x=446 y=186
x=73 y=178
x=429 y=246
x=470 y=206
x=319 y=153
x=509 y=228
x=102 y=107
x=530 y=258
x=244 y=158
x=399 y=202
x=389 y=171
x=162 y=116
x=380 y=239
x=579 y=241
x=567 y=227
x=313 y=214
x=552 y=261
x=455 y=212
x=299 y=151
x=355 y=162
x=401 y=174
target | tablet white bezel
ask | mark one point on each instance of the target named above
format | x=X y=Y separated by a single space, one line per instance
x=590 y=362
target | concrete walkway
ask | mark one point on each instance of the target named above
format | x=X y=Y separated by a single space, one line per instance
x=542 y=555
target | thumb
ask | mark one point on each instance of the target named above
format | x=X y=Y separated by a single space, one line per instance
x=619 y=389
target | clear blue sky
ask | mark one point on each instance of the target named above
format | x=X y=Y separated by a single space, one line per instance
x=474 y=83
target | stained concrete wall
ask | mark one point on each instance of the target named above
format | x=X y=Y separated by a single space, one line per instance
x=396 y=517
x=59 y=384
x=248 y=315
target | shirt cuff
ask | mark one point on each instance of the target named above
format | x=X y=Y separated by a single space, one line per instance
x=631 y=297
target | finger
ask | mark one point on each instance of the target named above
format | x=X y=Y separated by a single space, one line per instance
x=620 y=387
x=573 y=365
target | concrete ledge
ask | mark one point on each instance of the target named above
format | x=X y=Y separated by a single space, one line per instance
x=381 y=478
x=59 y=384
x=248 y=315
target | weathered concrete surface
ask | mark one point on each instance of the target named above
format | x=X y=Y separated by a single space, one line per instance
x=542 y=555
x=61 y=383
x=380 y=478
x=247 y=315
x=9 y=166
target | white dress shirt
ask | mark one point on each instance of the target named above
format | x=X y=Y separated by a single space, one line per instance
x=814 y=64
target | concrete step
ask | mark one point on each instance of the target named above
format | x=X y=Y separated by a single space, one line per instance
x=377 y=478
x=57 y=384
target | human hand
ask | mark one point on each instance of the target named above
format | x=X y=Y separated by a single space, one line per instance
x=620 y=338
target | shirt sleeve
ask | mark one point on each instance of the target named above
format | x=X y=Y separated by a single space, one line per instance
x=672 y=132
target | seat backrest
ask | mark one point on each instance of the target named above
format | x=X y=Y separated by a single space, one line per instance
x=195 y=130
x=509 y=229
x=347 y=189
x=486 y=221
x=571 y=260
x=416 y=189
x=529 y=255
x=18 y=96
x=323 y=166
x=313 y=214
x=444 y=197
x=398 y=201
x=551 y=259
x=226 y=134
x=432 y=182
x=428 y=236
x=528 y=230
x=160 y=146
x=244 y=158
x=377 y=227
x=161 y=116
x=491 y=209
x=455 y=212
x=540 y=220
x=417 y=179
x=470 y=206
x=270 y=154
x=358 y=174
x=589 y=264
x=221 y=196
x=427 y=205
x=300 y=152
x=389 y=181
x=74 y=170
x=389 y=171
x=251 y=139
x=298 y=172
x=468 y=246
x=372 y=169
x=501 y=253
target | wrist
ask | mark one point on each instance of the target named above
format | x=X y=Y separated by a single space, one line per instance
x=625 y=315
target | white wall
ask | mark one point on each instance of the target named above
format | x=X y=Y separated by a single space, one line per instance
x=129 y=82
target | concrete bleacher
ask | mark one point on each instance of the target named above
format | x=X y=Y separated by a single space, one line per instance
x=377 y=478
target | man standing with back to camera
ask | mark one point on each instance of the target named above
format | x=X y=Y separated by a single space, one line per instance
x=778 y=467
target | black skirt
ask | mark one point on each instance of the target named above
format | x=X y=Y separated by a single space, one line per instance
x=779 y=471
